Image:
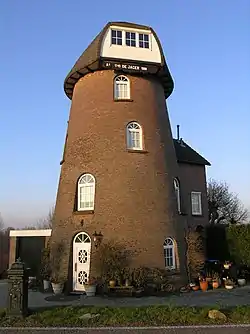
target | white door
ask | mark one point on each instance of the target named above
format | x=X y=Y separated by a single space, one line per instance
x=81 y=260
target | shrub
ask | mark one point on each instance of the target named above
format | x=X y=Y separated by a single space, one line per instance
x=111 y=260
x=238 y=237
x=195 y=253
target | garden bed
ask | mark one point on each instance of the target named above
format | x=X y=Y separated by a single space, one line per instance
x=130 y=316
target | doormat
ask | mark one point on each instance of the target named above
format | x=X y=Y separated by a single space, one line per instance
x=59 y=298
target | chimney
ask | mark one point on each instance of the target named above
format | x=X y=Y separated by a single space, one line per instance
x=178 y=132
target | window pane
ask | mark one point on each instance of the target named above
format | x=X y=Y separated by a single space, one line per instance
x=116 y=37
x=146 y=45
x=141 y=44
x=145 y=37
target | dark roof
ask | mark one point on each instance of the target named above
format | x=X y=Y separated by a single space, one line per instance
x=186 y=154
x=89 y=61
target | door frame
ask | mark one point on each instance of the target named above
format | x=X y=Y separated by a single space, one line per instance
x=74 y=255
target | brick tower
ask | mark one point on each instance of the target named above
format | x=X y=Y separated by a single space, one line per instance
x=119 y=168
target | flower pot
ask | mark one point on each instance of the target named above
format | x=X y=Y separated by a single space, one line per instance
x=241 y=281
x=90 y=290
x=195 y=288
x=229 y=287
x=215 y=284
x=57 y=288
x=127 y=282
x=112 y=283
x=204 y=285
x=46 y=285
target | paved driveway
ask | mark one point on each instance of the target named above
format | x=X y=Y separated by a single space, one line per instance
x=221 y=297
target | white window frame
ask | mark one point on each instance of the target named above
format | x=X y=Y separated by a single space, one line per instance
x=143 y=41
x=177 y=193
x=130 y=39
x=121 y=87
x=116 y=38
x=137 y=41
x=169 y=244
x=88 y=185
x=131 y=129
x=194 y=196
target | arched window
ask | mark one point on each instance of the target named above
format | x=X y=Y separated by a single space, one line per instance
x=134 y=136
x=169 y=253
x=86 y=192
x=177 y=194
x=121 y=88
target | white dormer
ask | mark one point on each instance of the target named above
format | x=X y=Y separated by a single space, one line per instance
x=131 y=44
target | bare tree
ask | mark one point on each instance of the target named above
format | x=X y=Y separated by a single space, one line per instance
x=43 y=223
x=2 y=227
x=47 y=221
x=223 y=205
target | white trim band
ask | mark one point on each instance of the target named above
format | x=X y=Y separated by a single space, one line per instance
x=30 y=233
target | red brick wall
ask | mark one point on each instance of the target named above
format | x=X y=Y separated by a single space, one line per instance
x=135 y=199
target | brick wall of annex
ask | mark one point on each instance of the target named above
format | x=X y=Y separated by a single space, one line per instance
x=135 y=200
x=193 y=178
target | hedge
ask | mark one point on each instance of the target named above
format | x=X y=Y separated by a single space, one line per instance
x=230 y=242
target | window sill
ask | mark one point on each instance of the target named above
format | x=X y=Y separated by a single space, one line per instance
x=123 y=100
x=136 y=151
x=83 y=212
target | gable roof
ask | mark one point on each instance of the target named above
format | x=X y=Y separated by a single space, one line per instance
x=89 y=61
x=186 y=154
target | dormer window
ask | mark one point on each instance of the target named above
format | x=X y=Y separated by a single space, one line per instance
x=130 y=38
x=144 y=41
x=116 y=37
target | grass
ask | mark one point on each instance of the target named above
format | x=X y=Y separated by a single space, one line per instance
x=130 y=316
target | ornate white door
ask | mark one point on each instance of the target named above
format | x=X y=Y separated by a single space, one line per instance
x=81 y=260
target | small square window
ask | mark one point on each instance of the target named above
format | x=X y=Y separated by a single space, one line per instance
x=130 y=38
x=116 y=37
x=144 y=41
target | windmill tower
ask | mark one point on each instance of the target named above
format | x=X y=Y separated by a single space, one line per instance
x=119 y=164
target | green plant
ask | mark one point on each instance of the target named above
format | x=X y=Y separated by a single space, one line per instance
x=91 y=281
x=195 y=253
x=215 y=276
x=111 y=259
x=56 y=254
x=45 y=270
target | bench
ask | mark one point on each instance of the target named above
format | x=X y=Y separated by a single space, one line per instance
x=121 y=290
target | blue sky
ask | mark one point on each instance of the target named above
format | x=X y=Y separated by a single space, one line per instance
x=207 y=47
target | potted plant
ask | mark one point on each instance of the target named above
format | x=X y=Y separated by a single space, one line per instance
x=203 y=283
x=215 y=280
x=241 y=278
x=90 y=287
x=45 y=268
x=57 y=277
x=229 y=284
